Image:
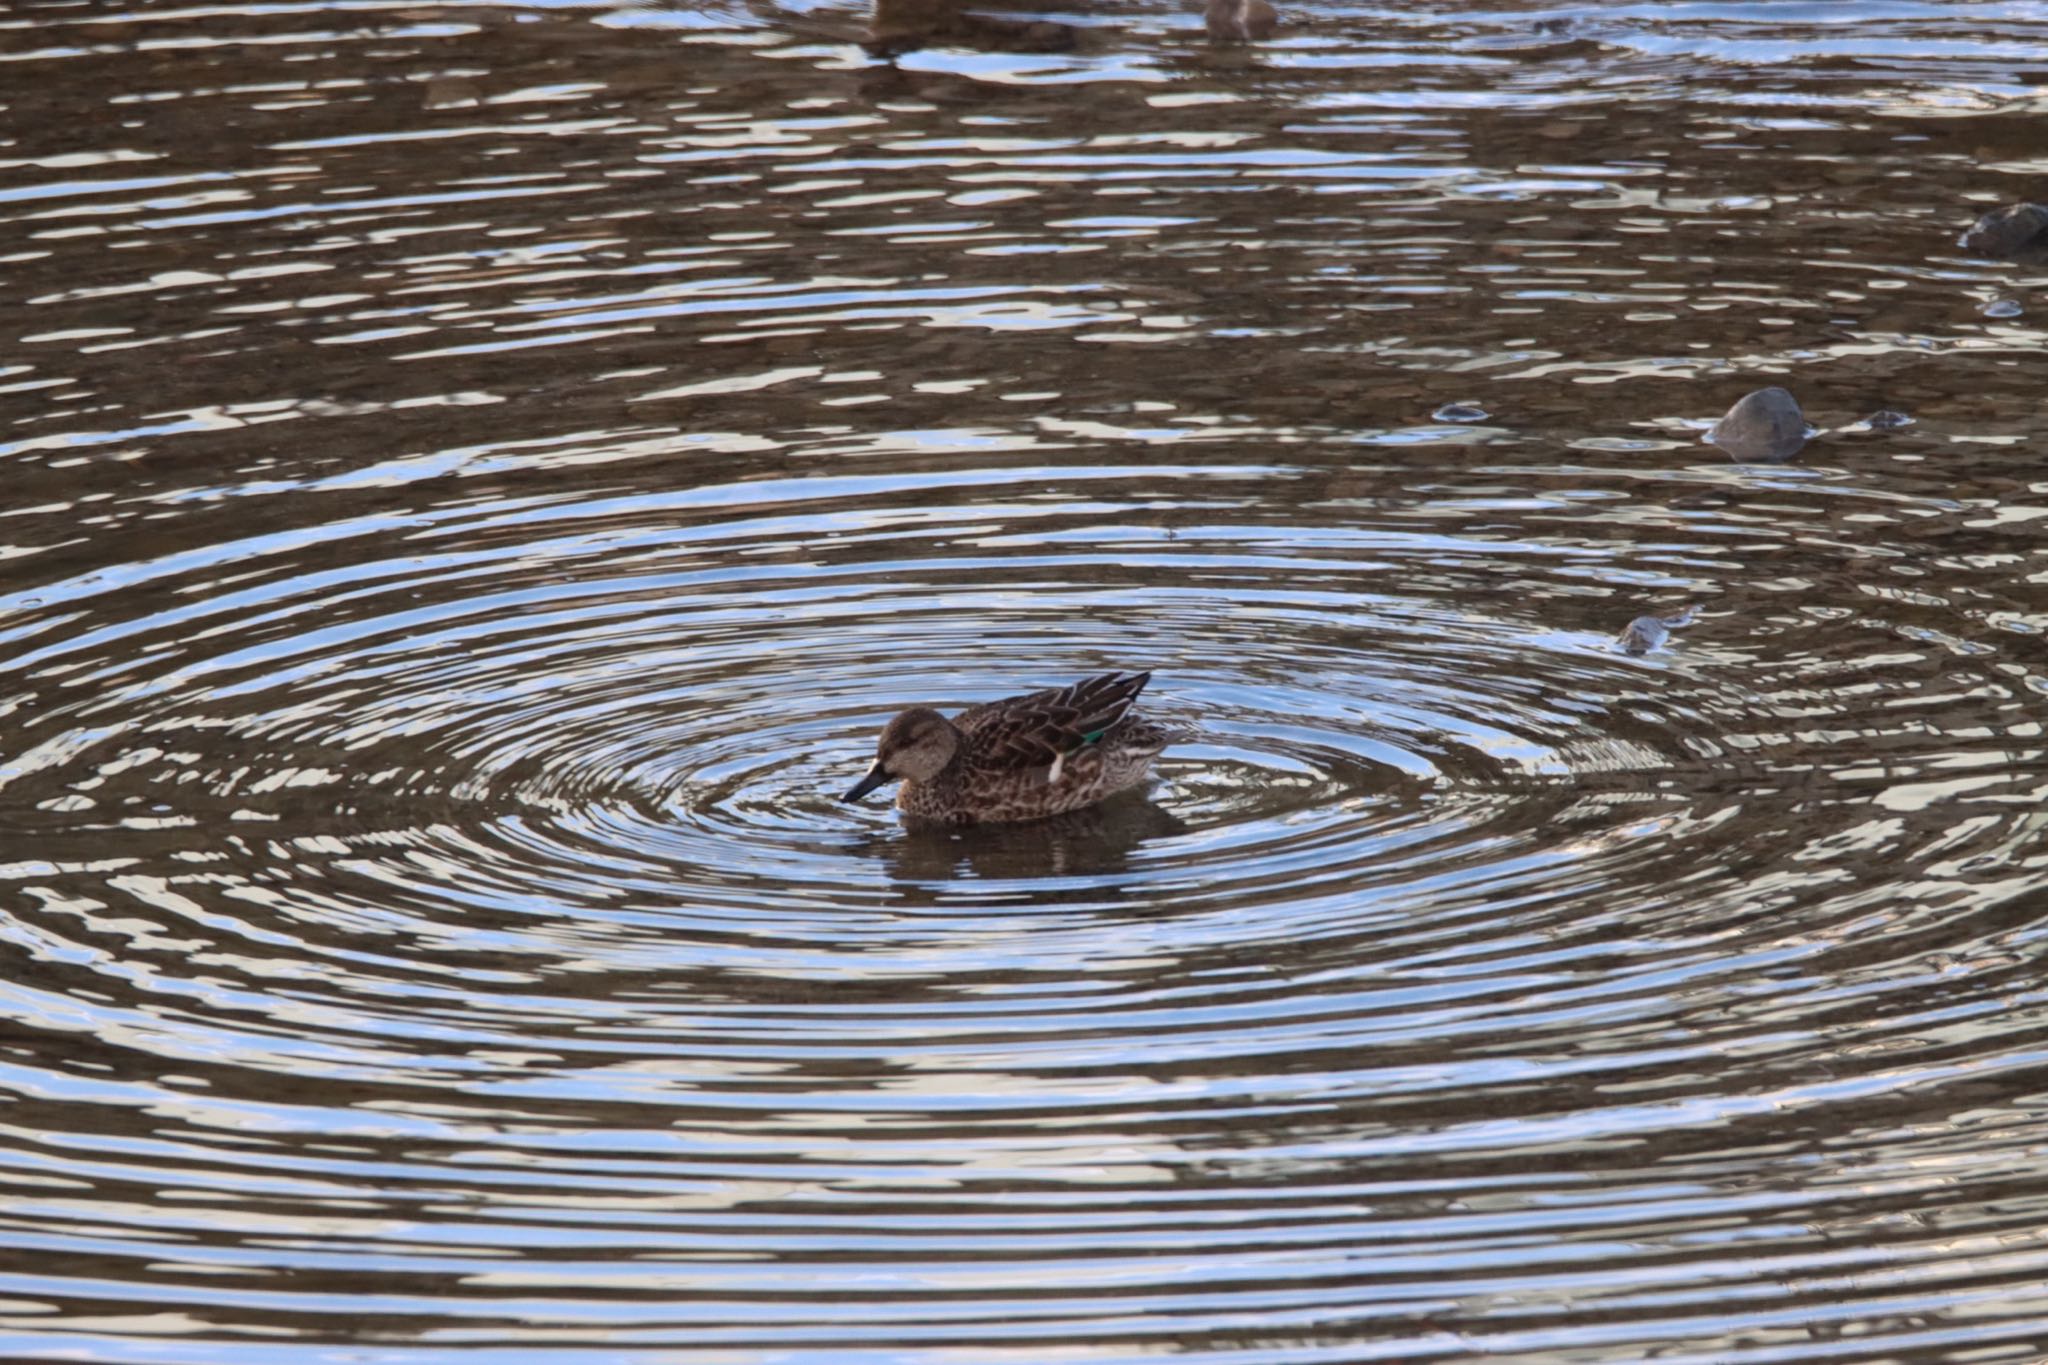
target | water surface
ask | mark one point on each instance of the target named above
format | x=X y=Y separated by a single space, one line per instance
x=479 y=477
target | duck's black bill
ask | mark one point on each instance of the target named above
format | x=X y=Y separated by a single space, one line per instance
x=875 y=778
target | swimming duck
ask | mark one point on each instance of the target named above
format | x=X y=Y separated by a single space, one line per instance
x=1021 y=758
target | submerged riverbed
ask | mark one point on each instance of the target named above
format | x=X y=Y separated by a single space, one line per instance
x=480 y=476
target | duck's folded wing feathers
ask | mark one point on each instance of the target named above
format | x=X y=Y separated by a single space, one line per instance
x=1035 y=731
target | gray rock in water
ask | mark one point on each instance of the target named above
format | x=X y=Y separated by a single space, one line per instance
x=1642 y=635
x=2015 y=231
x=1765 y=425
x=1240 y=21
x=1646 y=633
x=1887 y=419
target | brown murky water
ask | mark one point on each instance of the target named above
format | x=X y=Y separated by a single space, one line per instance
x=477 y=478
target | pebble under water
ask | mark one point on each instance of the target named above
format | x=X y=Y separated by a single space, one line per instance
x=480 y=476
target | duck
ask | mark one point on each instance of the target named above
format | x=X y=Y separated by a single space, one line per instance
x=1240 y=21
x=1022 y=758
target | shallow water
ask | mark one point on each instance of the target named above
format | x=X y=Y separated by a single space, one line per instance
x=480 y=477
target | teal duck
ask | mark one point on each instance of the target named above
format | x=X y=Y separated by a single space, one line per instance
x=1022 y=758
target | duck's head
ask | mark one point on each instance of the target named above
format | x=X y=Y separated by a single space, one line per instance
x=917 y=744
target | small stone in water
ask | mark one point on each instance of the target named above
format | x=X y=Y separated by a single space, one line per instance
x=1886 y=419
x=1765 y=425
x=1646 y=633
x=1461 y=412
x=2013 y=231
x=1240 y=21
x=1642 y=635
x=2003 y=308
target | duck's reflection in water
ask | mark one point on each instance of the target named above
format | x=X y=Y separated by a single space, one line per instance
x=1091 y=843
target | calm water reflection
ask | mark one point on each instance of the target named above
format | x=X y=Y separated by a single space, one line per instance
x=479 y=476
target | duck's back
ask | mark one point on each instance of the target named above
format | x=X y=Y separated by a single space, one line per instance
x=1038 y=729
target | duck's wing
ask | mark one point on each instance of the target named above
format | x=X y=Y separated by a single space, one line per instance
x=1039 y=730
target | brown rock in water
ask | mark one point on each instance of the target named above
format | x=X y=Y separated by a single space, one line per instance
x=1765 y=425
x=1240 y=21
x=2017 y=230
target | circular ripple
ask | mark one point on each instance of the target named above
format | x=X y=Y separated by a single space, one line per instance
x=476 y=890
x=430 y=926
